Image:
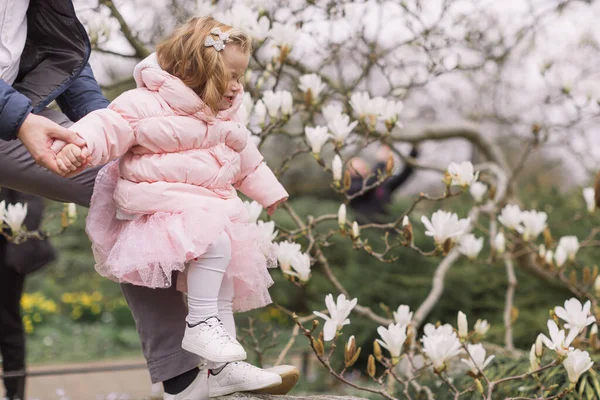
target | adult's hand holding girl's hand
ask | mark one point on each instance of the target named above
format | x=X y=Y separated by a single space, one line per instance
x=71 y=159
x=38 y=133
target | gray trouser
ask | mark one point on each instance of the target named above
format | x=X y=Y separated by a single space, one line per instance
x=159 y=313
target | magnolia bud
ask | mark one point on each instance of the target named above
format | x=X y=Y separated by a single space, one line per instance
x=377 y=350
x=347 y=180
x=479 y=386
x=534 y=364
x=587 y=275
x=72 y=212
x=351 y=353
x=463 y=327
x=342 y=215
x=371 y=366
x=318 y=346
x=597 y=286
x=500 y=243
x=389 y=166
x=539 y=346
x=336 y=167
x=355 y=230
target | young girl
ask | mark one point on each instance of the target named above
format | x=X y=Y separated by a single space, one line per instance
x=169 y=204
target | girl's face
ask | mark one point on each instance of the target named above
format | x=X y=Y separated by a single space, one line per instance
x=236 y=61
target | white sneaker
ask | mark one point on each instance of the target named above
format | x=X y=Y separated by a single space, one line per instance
x=240 y=377
x=210 y=340
x=198 y=389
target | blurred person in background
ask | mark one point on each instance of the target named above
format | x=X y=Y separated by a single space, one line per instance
x=372 y=205
x=17 y=261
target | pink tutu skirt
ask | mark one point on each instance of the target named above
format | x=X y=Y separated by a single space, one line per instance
x=146 y=251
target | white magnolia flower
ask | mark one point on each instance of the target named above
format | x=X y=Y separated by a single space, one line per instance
x=260 y=110
x=393 y=338
x=316 y=137
x=342 y=215
x=2 y=211
x=500 y=243
x=301 y=266
x=560 y=256
x=336 y=167
x=247 y=102
x=559 y=341
x=338 y=315
x=355 y=230
x=589 y=194
x=534 y=223
x=470 y=246
x=577 y=363
x=286 y=251
x=340 y=127
x=403 y=315
x=312 y=86
x=254 y=210
x=361 y=104
x=478 y=190
x=432 y=330
x=463 y=325
x=477 y=362
x=570 y=244
x=575 y=315
x=272 y=101
x=283 y=35
x=481 y=327
x=444 y=225
x=14 y=216
x=462 y=174
x=287 y=103
x=534 y=363
x=331 y=112
x=267 y=230
x=390 y=111
x=440 y=344
x=510 y=216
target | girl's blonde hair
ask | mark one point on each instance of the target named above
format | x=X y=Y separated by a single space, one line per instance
x=202 y=68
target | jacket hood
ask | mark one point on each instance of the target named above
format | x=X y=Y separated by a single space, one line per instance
x=148 y=74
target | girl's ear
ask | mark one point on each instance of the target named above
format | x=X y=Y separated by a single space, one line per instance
x=597 y=188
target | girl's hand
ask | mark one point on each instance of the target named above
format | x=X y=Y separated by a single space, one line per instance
x=273 y=207
x=71 y=158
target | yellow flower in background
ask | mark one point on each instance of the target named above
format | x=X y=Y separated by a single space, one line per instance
x=97 y=296
x=67 y=298
x=27 y=324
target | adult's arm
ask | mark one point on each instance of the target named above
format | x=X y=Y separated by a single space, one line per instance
x=82 y=97
x=14 y=109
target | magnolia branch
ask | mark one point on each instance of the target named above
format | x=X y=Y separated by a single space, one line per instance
x=508 y=307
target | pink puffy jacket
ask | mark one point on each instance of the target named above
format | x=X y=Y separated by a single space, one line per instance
x=174 y=154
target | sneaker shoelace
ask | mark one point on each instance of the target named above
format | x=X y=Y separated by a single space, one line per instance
x=219 y=330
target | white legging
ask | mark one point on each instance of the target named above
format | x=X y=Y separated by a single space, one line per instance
x=209 y=294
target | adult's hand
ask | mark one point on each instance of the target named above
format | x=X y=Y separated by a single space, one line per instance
x=38 y=133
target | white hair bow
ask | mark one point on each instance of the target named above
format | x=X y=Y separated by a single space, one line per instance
x=218 y=44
